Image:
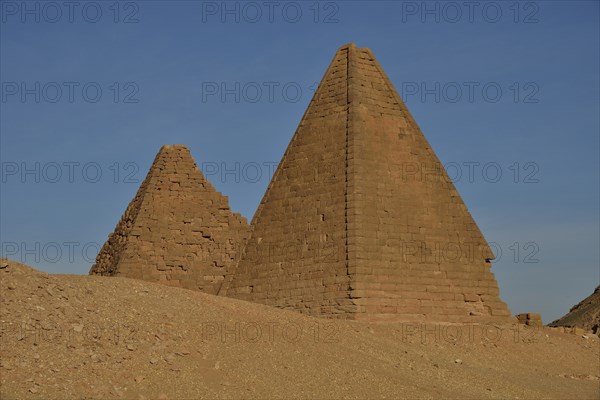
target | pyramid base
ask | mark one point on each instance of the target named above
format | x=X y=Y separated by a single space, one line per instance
x=360 y=310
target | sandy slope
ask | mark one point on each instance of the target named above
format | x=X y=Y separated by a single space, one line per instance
x=66 y=336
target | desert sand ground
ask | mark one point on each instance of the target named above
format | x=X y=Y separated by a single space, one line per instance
x=84 y=337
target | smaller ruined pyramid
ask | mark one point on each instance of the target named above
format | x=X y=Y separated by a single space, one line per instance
x=178 y=230
x=585 y=314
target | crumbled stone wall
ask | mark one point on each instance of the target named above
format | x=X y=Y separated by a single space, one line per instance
x=531 y=319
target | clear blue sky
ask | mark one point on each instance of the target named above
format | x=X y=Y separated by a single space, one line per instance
x=97 y=87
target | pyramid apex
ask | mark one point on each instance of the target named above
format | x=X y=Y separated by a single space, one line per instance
x=354 y=49
x=347 y=46
x=173 y=146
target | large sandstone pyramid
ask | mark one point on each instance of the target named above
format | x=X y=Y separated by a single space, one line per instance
x=178 y=230
x=360 y=220
x=585 y=314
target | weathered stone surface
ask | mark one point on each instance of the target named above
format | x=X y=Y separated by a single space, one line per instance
x=531 y=319
x=178 y=230
x=360 y=219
